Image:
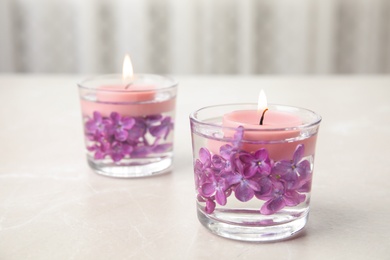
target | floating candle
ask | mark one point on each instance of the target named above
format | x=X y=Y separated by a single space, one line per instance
x=279 y=132
x=129 y=94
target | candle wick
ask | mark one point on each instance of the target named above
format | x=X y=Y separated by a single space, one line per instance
x=262 y=116
x=128 y=85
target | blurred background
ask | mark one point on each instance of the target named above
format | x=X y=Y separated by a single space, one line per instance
x=196 y=36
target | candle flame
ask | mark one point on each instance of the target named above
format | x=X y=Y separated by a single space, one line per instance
x=262 y=104
x=127 y=69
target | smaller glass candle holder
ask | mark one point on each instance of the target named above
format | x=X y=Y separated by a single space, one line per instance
x=128 y=124
x=252 y=181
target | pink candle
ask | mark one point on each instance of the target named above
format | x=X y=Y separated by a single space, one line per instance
x=273 y=119
x=128 y=94
x=279 y=134
x=277 y=126
x=146 y=95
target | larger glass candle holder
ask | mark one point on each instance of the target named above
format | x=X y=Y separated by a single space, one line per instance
x=252 y=181
x=128 y=124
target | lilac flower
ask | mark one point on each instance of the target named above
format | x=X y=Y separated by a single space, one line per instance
x=266 y=185
x=161 y=148
x=258 y=162
x=119 y=150
x=218 y=162
x=96 y=126
x=101 y=148
x=238 y=135
x=204 y=158
x=138 y=130
x=208 y=182
x=210 y=206
x=279 y=198
x=295 y=172
x=153 y=119
x=226 y=151
x=217 y=187
x=201 y=167
x=140 y=151
x=163 y=129
x=120 y=126
x=244 y=188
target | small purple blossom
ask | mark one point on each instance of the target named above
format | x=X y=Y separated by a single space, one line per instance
x=217 y=187
x=244 y=187
x=101 y=148
x=279 y=198
x=238 y=135
x=210 y=206
x=163 y=129
x=296 y=171
x=153 y=119
x=96 y=126
x=138 y=130
x=120 y=126
x=140 y=151
x=258 y=162
x=119 y=150
x=162 y=148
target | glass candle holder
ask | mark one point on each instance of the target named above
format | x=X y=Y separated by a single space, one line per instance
x=252 y=181
x=128 y=124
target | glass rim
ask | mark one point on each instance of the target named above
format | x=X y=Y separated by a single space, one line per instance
x=173 y=83
x=313 y=123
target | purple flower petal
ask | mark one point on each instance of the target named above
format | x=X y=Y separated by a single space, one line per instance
x=249 y=171
x=115 y=116
x=121 y=135
x=233 y=179
x=220 y=197
x=298 y=154
x=161 y=148
x=163 y=129
x=99 y=155
x=239 y=134
x=291 y=180
x=151 y=119
x=218 y=162
x=304 y=169
x=210 y=206
x=246 y=157
x=253 y=185
x=225 y=151
x=282 y=167
x=140 y=151
x=128 y=122
x=293 y=198
x=138 y=130
x=305 y=186
x=116 y=157
x=261 y=155
x=272 y=206
x=204 y=156
x=243 y=192
x=208 y=189
x=265 y=189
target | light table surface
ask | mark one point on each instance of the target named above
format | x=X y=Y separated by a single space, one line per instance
x=52 y=206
